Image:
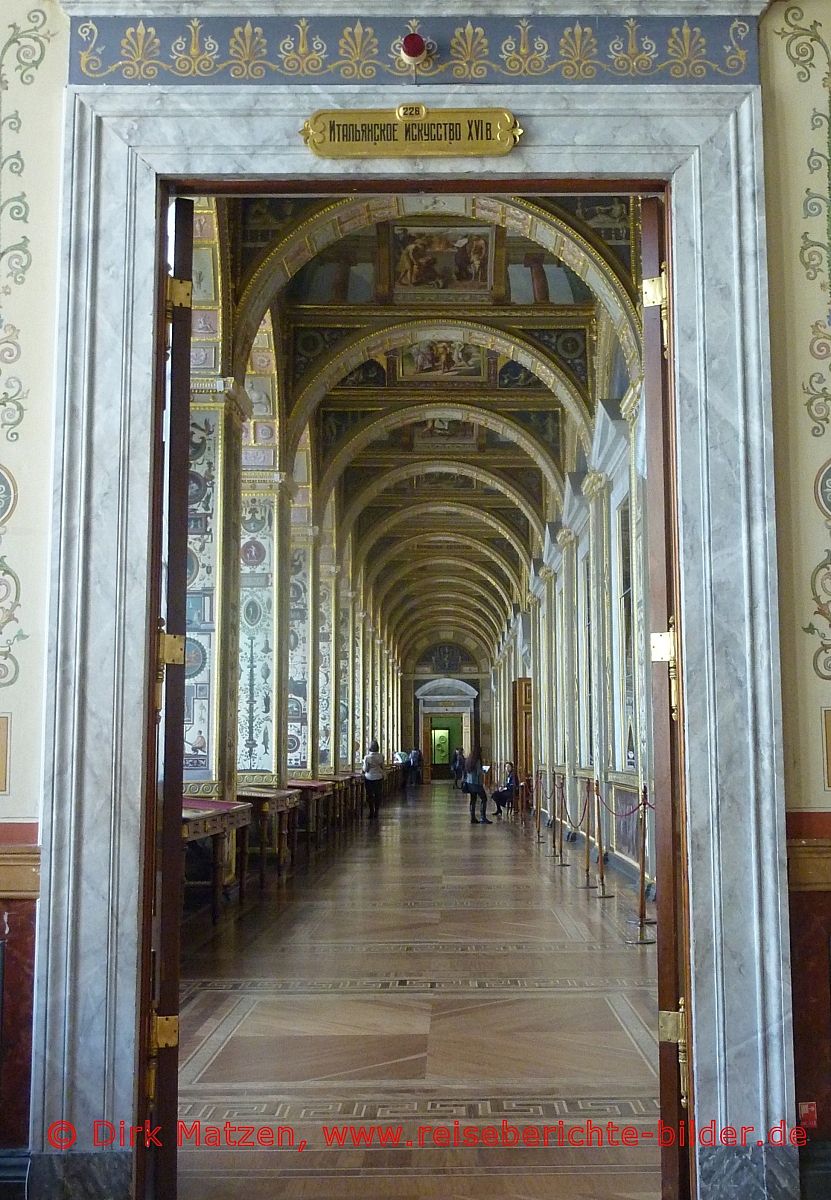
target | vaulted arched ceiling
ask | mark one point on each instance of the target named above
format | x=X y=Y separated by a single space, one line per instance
x=434 y=512
x=333 y=220
x=436 y=362
x=395 y=475
x=453 y=617
x=425 y=592
x=445 y=568
x=337 y=365
x=393 y=417
x=433 y=546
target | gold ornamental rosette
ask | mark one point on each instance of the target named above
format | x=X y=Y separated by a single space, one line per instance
x=411 y=130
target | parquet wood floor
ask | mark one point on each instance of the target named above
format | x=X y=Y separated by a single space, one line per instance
x=429 y=971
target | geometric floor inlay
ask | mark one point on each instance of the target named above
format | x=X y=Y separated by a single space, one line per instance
x=428 y=972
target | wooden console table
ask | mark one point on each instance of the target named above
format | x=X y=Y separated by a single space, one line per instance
x=284 y=805
x=215 y=819
x=317 y=796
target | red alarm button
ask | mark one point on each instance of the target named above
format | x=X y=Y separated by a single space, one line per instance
x=413 y=48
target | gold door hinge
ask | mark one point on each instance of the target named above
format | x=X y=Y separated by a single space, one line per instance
x=171 y=649
x=178 y=293
x=164 y=1032
x=170 y=652
x=672 y=1028
x=655 y=294
x=663 y=649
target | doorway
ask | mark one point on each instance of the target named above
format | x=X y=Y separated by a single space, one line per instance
x=420 y=512
x=720 y=130
x=446 y=735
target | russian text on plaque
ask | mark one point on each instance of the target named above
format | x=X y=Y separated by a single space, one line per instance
x=411 y=130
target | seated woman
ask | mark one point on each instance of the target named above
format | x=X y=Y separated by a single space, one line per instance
x=505 y=796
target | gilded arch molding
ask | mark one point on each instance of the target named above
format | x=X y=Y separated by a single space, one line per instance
x=450 y=565
x=365 y=434
x=455 y=588
x=451 y=619
x=471 y=644
x=441 y=509
x=463 y=539
x=451 y=614
x=350 y=354
x=440 y=467
x=448 y=618
x=333 y=221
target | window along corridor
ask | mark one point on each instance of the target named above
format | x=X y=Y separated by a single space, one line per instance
x=432 y=971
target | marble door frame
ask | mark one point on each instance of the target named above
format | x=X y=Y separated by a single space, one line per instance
x=707 y=142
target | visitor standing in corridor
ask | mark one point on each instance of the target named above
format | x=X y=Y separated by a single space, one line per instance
x=373 y=769
x=475 y=786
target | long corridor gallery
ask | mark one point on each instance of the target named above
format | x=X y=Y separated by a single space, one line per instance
x=451 y=577
x=415 y=749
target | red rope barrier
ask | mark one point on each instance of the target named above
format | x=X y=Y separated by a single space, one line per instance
x=560 y=786
x=614 y=811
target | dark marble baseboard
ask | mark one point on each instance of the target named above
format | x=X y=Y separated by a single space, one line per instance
x=748 y=1173
x=725 y=1173
x=815 y=1171
x=104 y=1176
x=14 y=1168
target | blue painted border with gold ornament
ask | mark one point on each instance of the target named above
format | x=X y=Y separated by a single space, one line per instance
x=487 y=50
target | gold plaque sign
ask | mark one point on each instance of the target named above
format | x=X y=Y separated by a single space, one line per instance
x=411 y=130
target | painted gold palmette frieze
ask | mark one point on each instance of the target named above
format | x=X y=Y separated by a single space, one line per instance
x=411 y=129
x=566 y=49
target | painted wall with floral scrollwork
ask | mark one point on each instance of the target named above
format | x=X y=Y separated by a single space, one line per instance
x=796 y=63
x=796 y=58
x=33 y=53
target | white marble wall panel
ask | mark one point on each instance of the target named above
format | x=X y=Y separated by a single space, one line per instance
x=522 y=8
x=707 y=141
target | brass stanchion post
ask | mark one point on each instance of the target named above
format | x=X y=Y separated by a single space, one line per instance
x=538 y=800
x=643 y=938
x=562 y=860
x=602 y=893
x=588 y=885
x=554 y=853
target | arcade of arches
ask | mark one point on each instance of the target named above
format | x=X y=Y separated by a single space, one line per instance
x=426 y=488
x=438 y=427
